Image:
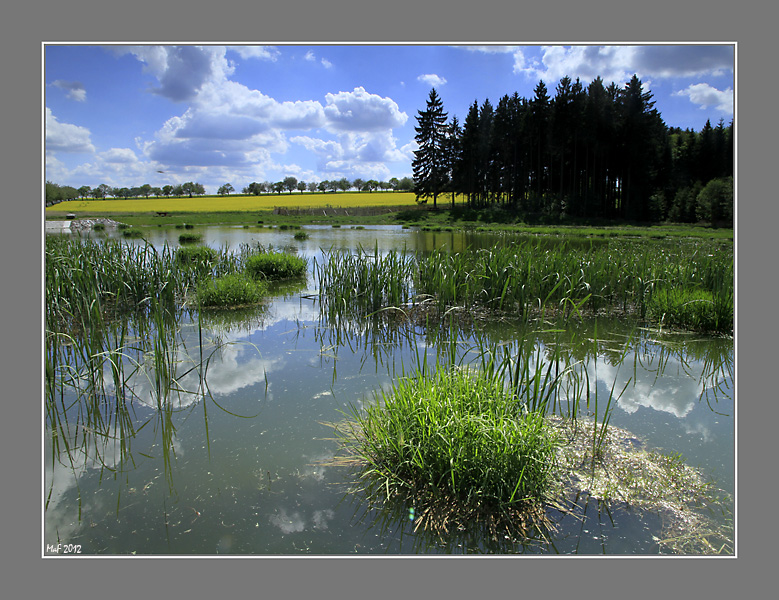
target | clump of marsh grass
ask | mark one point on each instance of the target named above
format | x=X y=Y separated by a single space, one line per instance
x=696 y=309
x=190 y=238
x=275 y=265
x=132 y=233
x=194 y=263
x=231 y=290
x=456 y=444
x=188 y=255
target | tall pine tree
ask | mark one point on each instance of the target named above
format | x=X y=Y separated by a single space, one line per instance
x=430 y=164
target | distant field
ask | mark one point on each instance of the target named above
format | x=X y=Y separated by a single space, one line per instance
x=237 y=203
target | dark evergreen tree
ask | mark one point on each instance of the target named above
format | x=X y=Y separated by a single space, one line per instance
x=429 y=164
x=705 y=154
x=538 y=130
x=468 y=165
x=598 y=134
x=486 y=172
x=452 y=156
x=567 y=126
x=640 y=133
x=519 y=150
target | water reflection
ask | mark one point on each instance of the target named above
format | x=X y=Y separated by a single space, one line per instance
x=227 y=453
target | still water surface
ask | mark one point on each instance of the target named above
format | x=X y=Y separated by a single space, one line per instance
x=241 y=469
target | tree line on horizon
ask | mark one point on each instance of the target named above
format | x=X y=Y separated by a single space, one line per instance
x=56 y=193
x=290 y=184
x=59 y=193
x=588 y=152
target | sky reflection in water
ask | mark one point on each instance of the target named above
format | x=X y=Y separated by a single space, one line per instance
x=255 y=483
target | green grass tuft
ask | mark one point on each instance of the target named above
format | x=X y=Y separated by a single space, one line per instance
x=228 y=291
x=275 y=265
x=188 y=255
x=456 y=435
x=695 y=309
x=190 y=238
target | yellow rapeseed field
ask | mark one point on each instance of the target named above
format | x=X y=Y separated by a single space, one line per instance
x=238 y=203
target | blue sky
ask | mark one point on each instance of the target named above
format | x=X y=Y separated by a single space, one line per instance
x=118 y=114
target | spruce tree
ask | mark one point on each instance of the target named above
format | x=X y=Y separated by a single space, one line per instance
x=430 y=164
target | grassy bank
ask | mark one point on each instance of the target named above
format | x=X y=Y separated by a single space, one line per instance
x=356 y=208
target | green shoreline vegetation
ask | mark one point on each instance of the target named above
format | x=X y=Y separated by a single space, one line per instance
x=425 y=218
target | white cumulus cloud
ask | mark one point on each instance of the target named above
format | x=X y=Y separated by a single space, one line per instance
x=181 y=70
x=73 y=89
x=66 y=137
x=620 y=63
x=707 y=96
x=432 y=79
x=262 y=52
x=123 y=156
x=359 y=110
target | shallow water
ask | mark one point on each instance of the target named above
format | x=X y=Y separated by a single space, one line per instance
x=234 y=465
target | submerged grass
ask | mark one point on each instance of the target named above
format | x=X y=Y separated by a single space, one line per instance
x=629 y=474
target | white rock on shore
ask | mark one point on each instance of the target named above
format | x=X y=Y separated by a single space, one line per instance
x=80 y=225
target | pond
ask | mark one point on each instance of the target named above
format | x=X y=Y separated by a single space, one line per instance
x=238 y=461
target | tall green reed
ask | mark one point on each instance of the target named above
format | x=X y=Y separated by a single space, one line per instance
x=531 y=277
x=112 y=314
